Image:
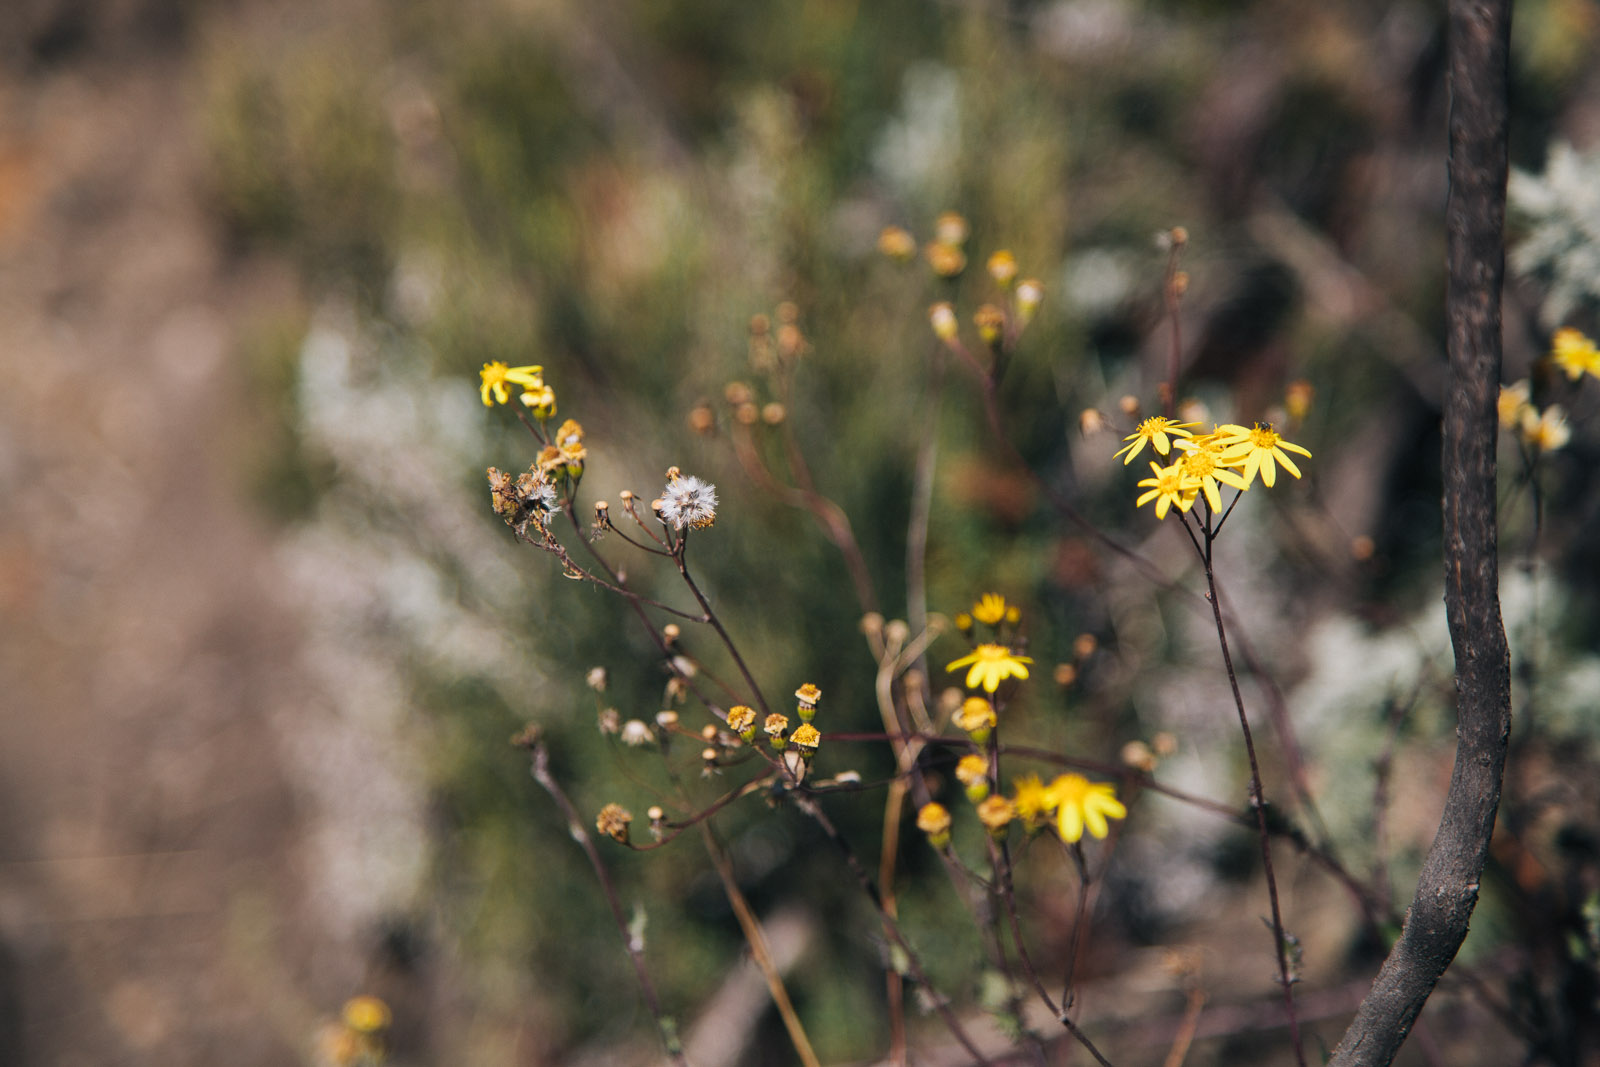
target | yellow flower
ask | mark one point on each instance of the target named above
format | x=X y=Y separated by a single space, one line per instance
x=542 y=402
x=1170 y=486
x=996 y=813
x=1574 y=353
x=896 y=243
x=1032 y=801
x=991 y=665
x=934 y=821
x=1512 y=403
x=742 y=721
x=495 y=376
x=1159 y=431
x=1002 y=267
x=990 y=609
x=806 y=738
x=972 y=769
x=1203 y=461
x=1548 y=431
x=976 y=716
x=1079 y=802
x=366 y=1014
x=1261 y=449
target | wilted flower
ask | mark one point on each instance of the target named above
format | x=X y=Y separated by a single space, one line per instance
x=613 y=821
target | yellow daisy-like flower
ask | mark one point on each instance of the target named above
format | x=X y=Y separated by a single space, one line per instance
x=990 y=609
x=1159 y=431
x=991 y=665
x=1032 y=800
x=1512 y=403
x=1546 y=431
x=1079 y=802
x=495 y=375
x=1574 y=353
x=1170 y=487
x=1203 y=461
x=1260 y=448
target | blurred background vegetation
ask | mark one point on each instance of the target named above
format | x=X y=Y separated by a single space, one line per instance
x=612 y=190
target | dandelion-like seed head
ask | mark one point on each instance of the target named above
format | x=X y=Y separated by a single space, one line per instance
x=688 y=501
x=636 y=733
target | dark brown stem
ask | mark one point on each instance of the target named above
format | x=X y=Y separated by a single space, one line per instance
x=716 y=624
x=1257 y=801
x=1447 y=889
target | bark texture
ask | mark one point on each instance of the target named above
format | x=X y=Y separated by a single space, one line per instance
x=1447 y=890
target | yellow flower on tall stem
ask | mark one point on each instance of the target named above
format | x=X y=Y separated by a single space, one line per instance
x=494 y=377
x=991 y=665
x=1080 y=803
x=1259 y=448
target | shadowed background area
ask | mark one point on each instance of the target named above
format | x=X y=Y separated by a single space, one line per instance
x=262 y=641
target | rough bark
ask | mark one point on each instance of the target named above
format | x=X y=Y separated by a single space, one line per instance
x=1436 y=923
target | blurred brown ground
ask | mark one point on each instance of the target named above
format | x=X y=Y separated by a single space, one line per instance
x=147 y=828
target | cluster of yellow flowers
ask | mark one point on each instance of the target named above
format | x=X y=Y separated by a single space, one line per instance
x=1069 y=804
x=1542 y=431
x=991 y=662
x=1230 y=455
x=1547 y=430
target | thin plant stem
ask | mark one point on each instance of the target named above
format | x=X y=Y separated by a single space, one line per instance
x=1257 y=800
x=891 y=926
x=716 y=624
x=759 y=950
x=575 y=827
